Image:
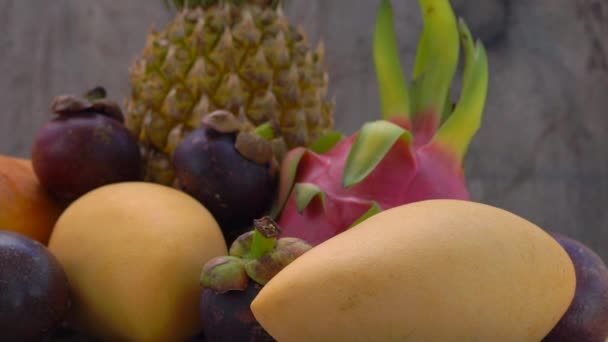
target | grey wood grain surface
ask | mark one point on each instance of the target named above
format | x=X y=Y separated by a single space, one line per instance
x=541 y=151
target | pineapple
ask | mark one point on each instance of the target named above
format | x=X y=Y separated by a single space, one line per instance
x=240 y=56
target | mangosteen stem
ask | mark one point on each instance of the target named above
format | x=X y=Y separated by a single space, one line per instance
x=97 y=93
x=265 y=131
x=264 y=237
x=261 y=245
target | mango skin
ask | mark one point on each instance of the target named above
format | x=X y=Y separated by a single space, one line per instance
x=133 y=253
x=25 y=206
x=438 y=270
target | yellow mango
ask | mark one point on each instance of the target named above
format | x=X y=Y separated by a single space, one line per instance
x=133 y=253
x=438 y=270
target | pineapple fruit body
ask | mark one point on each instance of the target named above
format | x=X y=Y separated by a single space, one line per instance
x=245 y=58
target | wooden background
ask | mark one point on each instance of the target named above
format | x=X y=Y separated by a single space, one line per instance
x=541 y=152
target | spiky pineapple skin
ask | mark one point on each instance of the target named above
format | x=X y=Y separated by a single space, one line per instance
x=246 y=59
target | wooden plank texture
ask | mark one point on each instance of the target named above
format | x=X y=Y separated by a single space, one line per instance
x=541 y=151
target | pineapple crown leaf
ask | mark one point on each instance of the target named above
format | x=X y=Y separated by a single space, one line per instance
x=180 y=4
x=305 y=193
x=374 y=141
x=458 y=130
x=391 y=82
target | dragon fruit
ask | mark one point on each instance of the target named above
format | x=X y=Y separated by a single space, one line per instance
x=414 y=153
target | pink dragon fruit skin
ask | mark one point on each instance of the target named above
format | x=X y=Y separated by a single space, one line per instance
x=404 y=158
x=404 y=175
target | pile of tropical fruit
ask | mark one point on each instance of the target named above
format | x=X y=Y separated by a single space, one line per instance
x=222 y=204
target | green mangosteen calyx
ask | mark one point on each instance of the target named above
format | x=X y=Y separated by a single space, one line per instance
x=224 y=274
x=257 y=255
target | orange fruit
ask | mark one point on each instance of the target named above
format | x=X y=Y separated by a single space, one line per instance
x=25 y=207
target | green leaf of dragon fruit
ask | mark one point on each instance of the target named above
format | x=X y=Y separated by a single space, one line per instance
x=372 y=144
x=305 y=193
x=391 y=81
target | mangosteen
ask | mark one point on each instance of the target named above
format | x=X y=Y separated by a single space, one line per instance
x=34 y=290
x=85 y=147
x=231 y=283
x=587 y=316
x=230 y=171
